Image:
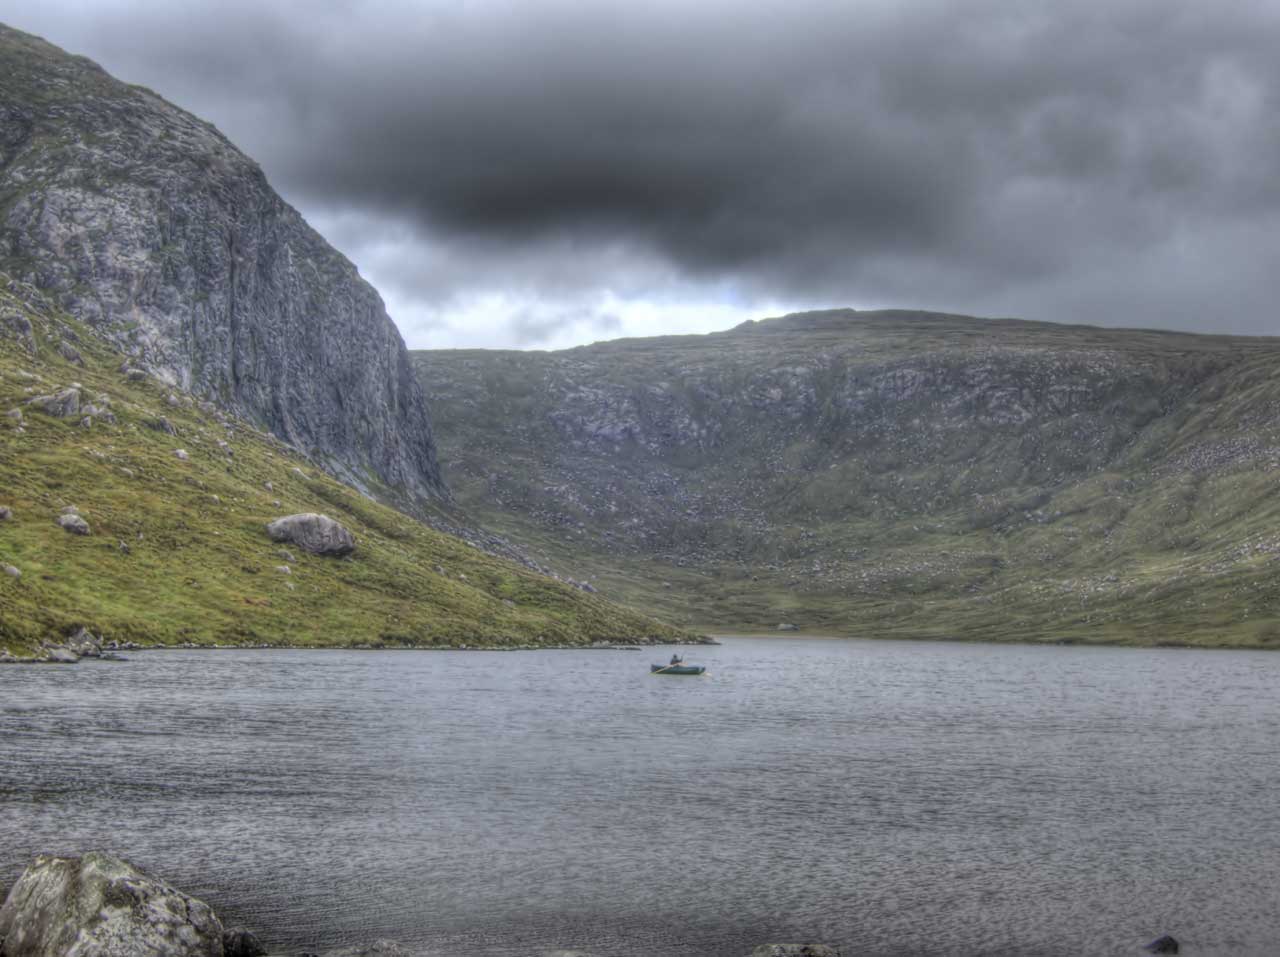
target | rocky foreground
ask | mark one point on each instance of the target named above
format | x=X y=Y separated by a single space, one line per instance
x=102 y=906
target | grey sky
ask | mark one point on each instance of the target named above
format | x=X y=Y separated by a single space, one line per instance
x=541 y=173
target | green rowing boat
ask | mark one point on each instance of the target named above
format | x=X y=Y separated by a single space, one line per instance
x=676 y=669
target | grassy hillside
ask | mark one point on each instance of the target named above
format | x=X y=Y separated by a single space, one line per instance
x=891 y=474
x=178 y=551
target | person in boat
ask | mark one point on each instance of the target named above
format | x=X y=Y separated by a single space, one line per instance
x=675 y=660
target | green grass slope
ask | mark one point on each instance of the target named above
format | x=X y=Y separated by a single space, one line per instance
x=178 y=552
x=890 y=474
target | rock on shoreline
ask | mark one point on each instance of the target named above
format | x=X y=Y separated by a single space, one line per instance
x=99 y=905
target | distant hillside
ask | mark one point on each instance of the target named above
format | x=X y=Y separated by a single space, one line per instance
x=148 y=225
x=177 y=549
x=891 y=473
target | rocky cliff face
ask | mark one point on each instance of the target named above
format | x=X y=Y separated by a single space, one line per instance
x=912 y=472
x=146 y=223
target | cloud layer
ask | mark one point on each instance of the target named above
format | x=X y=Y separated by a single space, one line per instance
x=542 y=172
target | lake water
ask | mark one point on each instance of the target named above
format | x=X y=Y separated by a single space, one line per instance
x=888 y=797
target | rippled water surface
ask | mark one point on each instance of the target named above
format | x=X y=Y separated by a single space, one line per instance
x=889 y=797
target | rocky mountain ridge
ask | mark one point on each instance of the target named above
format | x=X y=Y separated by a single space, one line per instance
x=894 y=473
x=148 y=225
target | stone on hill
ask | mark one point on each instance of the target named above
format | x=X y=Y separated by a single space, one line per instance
x=318 y=534
x=12 y=571
x=6 y=513
x=74 y=523
x=101 y=906
x=60 y=405
x=181 y=455
x=70 y=353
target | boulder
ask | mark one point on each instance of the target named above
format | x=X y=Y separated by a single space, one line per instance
x=6 y=513
x=74 y=523
x=12 y=571
x=70 y=353
x=795 y=950
x=101 y=906
x=161 y=424
x=1163 y=945
x=318 y=534
x=786 y=626
x=239 y=942
x=57 y=656
x=181 y=454
x=83 y=643
x=60 y=405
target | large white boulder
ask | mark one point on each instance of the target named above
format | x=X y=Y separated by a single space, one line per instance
x=318 y=534
x=101 y=906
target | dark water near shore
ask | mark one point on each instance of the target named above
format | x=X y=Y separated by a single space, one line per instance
x=893 y=798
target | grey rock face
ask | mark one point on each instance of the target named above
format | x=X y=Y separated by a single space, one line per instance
x=74 y=523
x=101 y=906
x=318 y=534
x=146 y=223
x=57 y=656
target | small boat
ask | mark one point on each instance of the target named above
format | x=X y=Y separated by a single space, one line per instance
x=679 y=669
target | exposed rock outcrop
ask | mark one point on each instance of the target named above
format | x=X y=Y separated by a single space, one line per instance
x=148 y=224
x=101 y=906
x=318 y=534
x=61 y=405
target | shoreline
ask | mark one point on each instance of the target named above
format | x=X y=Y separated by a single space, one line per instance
x=99 y=901
x=85 y=647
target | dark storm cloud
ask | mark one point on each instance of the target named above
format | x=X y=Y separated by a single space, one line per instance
x=1114 y=162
